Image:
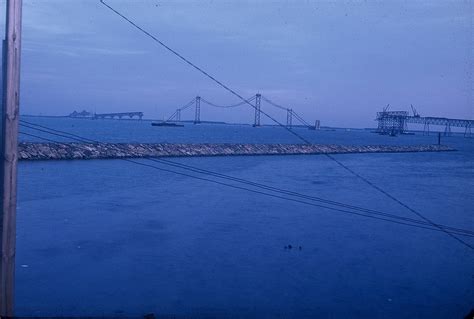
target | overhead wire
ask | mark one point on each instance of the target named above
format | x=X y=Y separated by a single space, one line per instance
x=285 y=198
x=369 y=182
x=298 y=117
x=263 y=112
x=227 y=88
x=296 y=194
x=398 y=201
x=363 y=211
x=302 y=120
x=38 y=137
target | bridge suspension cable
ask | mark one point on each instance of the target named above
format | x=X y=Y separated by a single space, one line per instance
x=227 y=88
x=202 y=71
x=177 y=113
x=296 y=115
x=301 y=198
x=187 y=105
x=302 y=120
x=250 y=99
x=274 y=104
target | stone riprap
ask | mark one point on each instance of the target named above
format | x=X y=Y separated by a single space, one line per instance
x=74 y=151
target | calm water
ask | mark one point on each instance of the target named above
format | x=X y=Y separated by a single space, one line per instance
x=108 y=237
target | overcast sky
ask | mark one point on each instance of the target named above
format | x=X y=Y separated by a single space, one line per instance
x=339 y=62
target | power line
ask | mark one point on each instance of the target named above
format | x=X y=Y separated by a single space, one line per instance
x=201 y=70
x=280 y=197
x=45 y=131
x=266 y=114
x=58 y=131
x=369 y=182
x=302 y=120
x=399 y=202
x=298 y=117
x=38 y=137
x=312 y=198
x=83 y=139
x=405 y=221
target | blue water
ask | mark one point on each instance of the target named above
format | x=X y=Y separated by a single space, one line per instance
x=106 y=237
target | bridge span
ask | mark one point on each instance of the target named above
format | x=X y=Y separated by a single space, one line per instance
x=118 y=115
x=396 y=122
x=254 y=101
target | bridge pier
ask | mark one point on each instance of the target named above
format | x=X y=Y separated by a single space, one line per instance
x=392 y=122
x=256 y=121
x=317 y=124
x=426 y=128
x=447 y=129
x=467 y=131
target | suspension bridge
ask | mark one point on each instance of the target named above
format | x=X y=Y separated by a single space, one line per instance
x=257 y=99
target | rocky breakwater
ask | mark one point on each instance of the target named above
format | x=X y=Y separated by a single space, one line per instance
x=74 y=151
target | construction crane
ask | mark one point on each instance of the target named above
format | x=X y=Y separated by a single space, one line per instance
x=415 y=113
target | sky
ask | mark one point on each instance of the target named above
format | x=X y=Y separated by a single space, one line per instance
x=336 y=61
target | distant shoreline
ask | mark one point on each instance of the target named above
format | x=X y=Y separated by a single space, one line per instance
x=188 y=122
x=322 y=128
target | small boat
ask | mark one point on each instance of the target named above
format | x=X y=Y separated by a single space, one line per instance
x=169 y=124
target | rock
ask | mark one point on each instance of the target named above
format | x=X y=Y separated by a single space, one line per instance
x=65 y=151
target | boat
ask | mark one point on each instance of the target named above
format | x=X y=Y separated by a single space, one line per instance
x=169 y=124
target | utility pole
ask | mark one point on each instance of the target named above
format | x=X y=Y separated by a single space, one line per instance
x=9 y=153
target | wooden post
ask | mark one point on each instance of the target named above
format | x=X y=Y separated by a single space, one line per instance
x=9 y=152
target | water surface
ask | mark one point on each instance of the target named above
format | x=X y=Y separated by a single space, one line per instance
x=107 y=237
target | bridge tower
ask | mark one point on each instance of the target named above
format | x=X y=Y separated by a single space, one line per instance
x=178 y=115
x=317 y=124
x=257 y=109
x=289 y=118
x=197 y=114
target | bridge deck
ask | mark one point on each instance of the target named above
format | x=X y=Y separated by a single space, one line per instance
x=395 y=122
x=119 y=115
x=439 y=121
